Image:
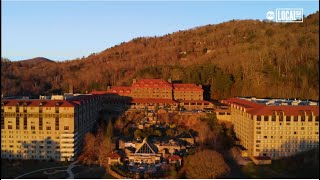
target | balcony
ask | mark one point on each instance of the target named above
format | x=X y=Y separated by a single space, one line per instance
x=67 y=154
x=68 y=134
x=67 y=145
x=67 y=140
x=67 y=150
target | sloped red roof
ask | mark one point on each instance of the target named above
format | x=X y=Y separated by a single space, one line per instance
x=151 y=100
x=194 y=101
x=98 y=92
x=72 y=102
x=152 y=83
x=187 y=87
x=36 y=103
x=121 y=90
x=174 y=157
x=268 y=110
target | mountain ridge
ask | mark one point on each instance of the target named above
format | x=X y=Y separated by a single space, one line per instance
x=234 y=58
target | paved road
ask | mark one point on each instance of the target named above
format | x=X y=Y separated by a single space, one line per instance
x=71 y=175
x=39 y=170
x=72 y=165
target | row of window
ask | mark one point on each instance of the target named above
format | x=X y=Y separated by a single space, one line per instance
x=48 y=128
x=287 y=145
x=286 y=128
x=287 y=132
x=288 y=149
x=292 y=142
x=37 y=115
x=27 y=132
x=286 y=118
x=46 y=108
x=32 y=156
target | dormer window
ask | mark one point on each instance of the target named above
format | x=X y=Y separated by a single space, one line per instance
x=281 y=115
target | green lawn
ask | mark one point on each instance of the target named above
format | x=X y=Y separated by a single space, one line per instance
x=12 y=169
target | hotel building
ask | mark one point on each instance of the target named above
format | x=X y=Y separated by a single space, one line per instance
x=274 y=128
x=46 y=129
x=152 y=93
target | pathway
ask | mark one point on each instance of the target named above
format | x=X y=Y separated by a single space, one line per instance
x=69 y=167
x=72 y=165
x=39 y=170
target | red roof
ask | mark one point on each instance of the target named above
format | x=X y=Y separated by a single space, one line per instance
x=194 y=101
x=114 y=155
x=121 y=90
x=151 y=100
x=98 y=92
x=262 y=109
x=187 y=87
x=152 y=83
x=36 y=103
x=174 y=157
x=72 y=102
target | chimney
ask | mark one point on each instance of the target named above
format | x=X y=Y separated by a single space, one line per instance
x=134 y=81
x=71 y=89
x=169 y=80
x=109 y=87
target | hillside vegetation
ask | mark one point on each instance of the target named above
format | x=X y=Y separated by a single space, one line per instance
x=235 y=58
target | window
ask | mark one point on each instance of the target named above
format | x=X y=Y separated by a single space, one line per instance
x=66 y=128
x=295 y=118
x=258 y=118
x=288 y=118
x=281 y=117
x=266 y=118
x=48 y=128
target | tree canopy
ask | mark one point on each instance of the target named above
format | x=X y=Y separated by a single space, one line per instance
x=206 y=164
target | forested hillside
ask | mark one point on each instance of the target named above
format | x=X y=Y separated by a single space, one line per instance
x=239 y=57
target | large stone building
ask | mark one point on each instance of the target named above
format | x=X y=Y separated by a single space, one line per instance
x=274 y=128
x=187 y=92
x=46 y=129
x=158 y=93
x=151 y=88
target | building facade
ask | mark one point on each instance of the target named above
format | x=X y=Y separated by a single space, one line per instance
x=151 y=88
x=187 y=92
x=157 y=93
x=275 y=128
x=46 y=129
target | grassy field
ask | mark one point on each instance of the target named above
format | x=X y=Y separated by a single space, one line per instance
x=302 y=166
x=12 y=169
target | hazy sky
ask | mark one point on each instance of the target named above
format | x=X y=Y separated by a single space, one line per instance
x=61 y=30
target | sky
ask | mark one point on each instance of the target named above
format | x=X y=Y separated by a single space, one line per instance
x=65 y=30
